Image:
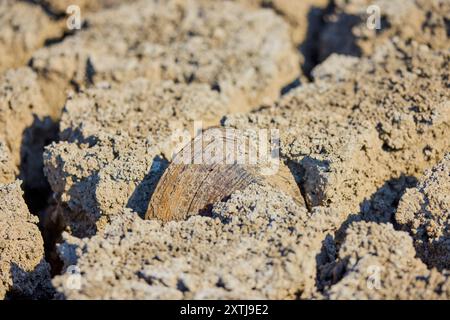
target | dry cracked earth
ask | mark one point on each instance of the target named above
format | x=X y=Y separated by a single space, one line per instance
x=86 y=132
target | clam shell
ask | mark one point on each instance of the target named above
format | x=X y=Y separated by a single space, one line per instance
x=209 y=169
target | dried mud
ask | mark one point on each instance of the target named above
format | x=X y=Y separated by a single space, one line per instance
x=90 y=120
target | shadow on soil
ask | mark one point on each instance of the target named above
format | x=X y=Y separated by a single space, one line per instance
x=141 y=196
x=379 y=208
x=34 y=284
x=37 y=191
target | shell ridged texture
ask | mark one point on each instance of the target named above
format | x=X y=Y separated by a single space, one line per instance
x=208 y=170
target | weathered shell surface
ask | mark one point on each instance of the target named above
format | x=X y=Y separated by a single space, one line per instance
x=202 y=174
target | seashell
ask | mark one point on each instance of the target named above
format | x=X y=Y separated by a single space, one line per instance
x=209 y=169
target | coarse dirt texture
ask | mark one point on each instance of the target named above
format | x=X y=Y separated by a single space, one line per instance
x=364 y=129
x=7 y=169
x=24 y=28
x=342 y=160
x=295 y=13
x=379 y=132
x=115 y=145
x=59 y=7
x=306 y=20
x=301 y=15
x=24 y=273
x=377 y=262
x=26 y=124
x=378 y=125
x=202 y=257
x=244 y=54
x=347 y=32
x=424 y=211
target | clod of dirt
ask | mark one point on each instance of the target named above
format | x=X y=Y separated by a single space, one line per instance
x=424 y=212
x=23 y=270
x=378 y=125
x=24 y=28
x=7 y=169
x=297 y=13
x=26 y=124
x=355 y=138
x=347 y=31
x=258 y=244
x=370 y=134
x=294 y=12
x=116 y=142
x=244 y=54
x=211 y=167
x=377 y=262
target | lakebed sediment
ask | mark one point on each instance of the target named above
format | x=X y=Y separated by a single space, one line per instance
x=88 y=118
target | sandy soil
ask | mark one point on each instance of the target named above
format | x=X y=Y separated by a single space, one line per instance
x=89 y=122
x=24 y=273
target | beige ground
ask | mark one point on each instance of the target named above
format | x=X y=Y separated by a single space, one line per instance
x=24 y=273
x=94 y=114
x=20 y=35
x=424 y=212
x=244 y=54
x=295 y=12
x=26 y=123
x=7 y=169
x=425 y=21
